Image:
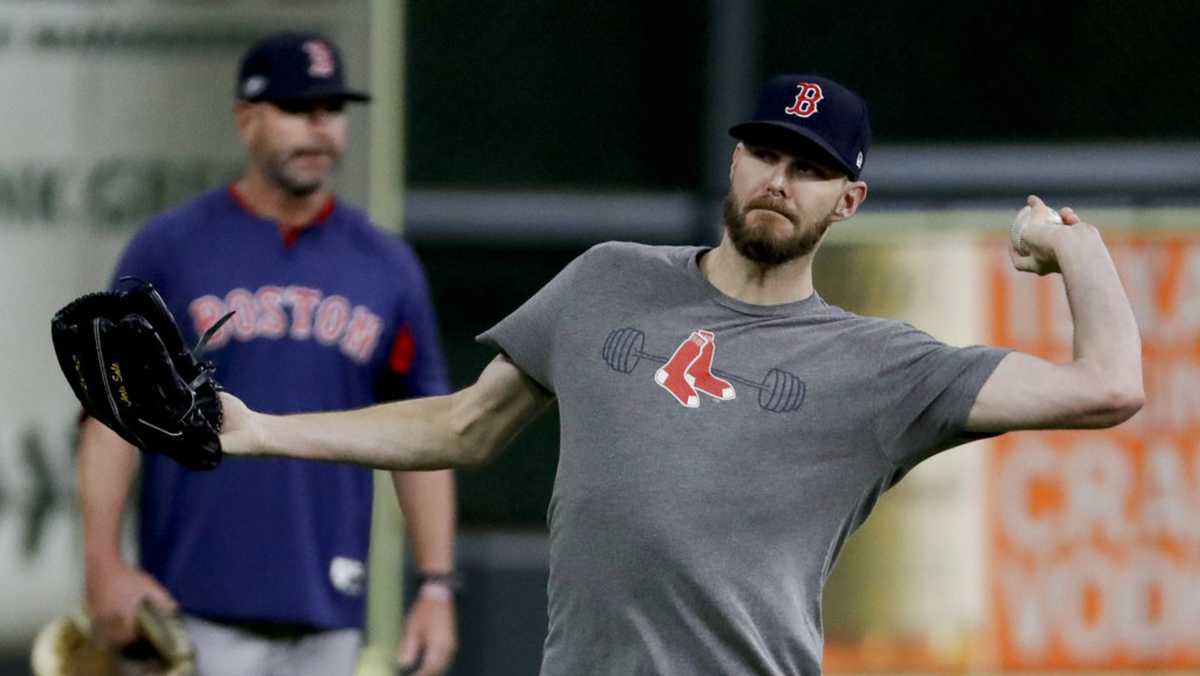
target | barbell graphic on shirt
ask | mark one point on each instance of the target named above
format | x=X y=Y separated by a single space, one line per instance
x=779 y=391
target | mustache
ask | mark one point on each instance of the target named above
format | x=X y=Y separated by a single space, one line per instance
x=770 y=204
x=313 y=150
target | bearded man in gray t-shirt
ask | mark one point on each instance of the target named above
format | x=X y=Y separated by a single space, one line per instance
x=724 y=429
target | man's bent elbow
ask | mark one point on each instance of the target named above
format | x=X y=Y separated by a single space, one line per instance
x=1130 y=403
x=1119 y=405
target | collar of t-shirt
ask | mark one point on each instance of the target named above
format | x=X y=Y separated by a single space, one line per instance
x=288 y=231
x=812 y=302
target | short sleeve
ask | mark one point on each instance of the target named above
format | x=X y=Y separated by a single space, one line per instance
x=926 y=389
x=143 y=257
x=530 y=334
x=415 y=365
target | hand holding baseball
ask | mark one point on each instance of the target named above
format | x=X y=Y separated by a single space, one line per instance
x=1033 y=235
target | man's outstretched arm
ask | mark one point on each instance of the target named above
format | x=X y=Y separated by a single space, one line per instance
x=456 y=430
x=1102 y=385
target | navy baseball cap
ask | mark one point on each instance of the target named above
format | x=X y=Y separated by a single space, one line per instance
x=294 y=66
x=803 y=113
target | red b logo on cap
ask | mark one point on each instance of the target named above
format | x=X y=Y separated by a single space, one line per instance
x=806 y=101
x=320 y=58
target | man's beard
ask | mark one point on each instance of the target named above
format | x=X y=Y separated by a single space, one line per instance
x=296 y=186
x=756 y=244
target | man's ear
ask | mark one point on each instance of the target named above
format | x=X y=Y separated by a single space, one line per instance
x=733 y=160
x=852 y=197
x=246 y=119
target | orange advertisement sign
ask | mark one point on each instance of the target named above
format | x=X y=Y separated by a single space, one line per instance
x=1095 y=535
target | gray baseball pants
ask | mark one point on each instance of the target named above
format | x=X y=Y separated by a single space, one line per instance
x=225 y=650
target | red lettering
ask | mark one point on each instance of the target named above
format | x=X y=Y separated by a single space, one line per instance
x=332 y=316
x=205 y=312
x=272 y=321
x=806 y=100
x=362 y=335
x=303 y=301
x=241 y=302
x=320 y=58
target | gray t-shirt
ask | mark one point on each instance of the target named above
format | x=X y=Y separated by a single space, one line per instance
x=714 y=457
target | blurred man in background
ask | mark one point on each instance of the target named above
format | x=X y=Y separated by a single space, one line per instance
x=267 y=558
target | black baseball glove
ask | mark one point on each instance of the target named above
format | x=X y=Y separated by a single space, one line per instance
x=125 y=358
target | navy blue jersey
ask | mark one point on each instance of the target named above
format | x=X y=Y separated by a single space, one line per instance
x=333 y=316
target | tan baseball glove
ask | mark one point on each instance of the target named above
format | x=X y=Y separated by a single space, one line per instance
x=67 y=647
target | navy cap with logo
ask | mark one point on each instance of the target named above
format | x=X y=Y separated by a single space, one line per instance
x=294 y=67
x=804 y=114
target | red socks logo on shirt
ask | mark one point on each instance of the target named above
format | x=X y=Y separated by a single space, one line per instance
x=689 y=370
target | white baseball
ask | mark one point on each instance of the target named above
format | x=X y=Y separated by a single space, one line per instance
x=1025 y=220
